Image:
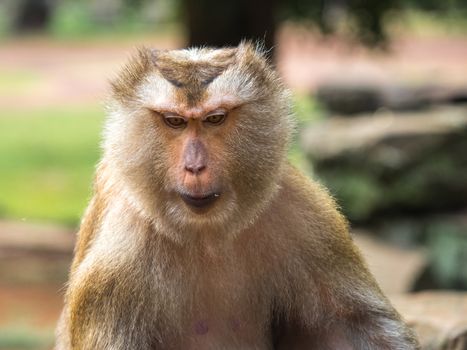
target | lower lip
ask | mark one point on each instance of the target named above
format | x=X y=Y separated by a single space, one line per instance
x=200 y=202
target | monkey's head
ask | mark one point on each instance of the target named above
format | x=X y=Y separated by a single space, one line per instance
x=197 y=138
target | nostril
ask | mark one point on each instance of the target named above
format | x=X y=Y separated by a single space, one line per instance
x=195 y=169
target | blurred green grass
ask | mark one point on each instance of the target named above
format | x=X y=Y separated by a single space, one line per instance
x=47 y=159
x=22 y=337
x=306 y=111
x=15 y=82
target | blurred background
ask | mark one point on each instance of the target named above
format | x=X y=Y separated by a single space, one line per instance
x=380 y=92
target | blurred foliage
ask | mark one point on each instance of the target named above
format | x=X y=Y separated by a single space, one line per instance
x=445 y=238
x=47 y=159
x=4 y=23
x=369 y=186
x=366 y=194
x=447 y=6
x=81 y=18
x=430 y=22
x=305 y=110
x=358 y=194
x=448 y=246
x=368 y=20
x=84 y=18
x=365 y=20
x=71 y=19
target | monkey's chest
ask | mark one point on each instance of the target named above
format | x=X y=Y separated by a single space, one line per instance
x=224 y=309
x=218 y=331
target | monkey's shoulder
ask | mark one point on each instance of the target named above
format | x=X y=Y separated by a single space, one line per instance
x=305 y=228
x=308 y=200
x=304 y=212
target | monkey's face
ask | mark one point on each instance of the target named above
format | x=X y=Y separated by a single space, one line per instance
x=199 y=136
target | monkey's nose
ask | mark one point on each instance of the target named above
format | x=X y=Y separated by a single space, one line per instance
x=195 y=157
x=195 y=169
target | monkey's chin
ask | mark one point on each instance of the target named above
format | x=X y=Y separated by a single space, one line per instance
x=200 y=204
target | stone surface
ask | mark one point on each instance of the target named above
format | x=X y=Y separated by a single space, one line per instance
x=353 y=97
x=34 y=254
x=386 y=163
x=335 y=136
x=26 y=238
x=439 y=318
x=395 y=269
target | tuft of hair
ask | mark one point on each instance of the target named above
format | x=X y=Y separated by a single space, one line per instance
x=132 y=74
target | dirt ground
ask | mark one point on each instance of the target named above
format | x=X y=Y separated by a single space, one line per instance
x=307 y=61
x=39 y=305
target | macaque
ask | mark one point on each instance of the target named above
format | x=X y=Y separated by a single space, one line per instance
x=201 y=235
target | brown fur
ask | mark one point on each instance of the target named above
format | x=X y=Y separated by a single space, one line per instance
x=193 y=77
x=131 y=75
x=269 y=264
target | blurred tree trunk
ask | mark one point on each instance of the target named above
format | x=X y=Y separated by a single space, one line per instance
x=33 y=15
x=220 y=23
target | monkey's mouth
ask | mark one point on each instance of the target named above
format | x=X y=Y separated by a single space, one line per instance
x=200 y=202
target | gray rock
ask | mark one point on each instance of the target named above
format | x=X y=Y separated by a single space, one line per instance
x=387 y=163
x=438 y=318
x=354 y=97
x=394 y=268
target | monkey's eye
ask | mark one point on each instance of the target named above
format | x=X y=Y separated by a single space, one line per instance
x=215 y=118
x=174 y=121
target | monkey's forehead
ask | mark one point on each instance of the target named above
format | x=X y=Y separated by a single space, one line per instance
x=191 y=98
x=213 y=55
x=193 y=69
x=196 y=77
x=191 y=76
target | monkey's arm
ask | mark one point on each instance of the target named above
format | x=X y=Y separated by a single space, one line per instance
x=87 y=230
x=337 y=304
x=86 y=234
x=104 y=307
x=344 y=311
x=92 y=217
